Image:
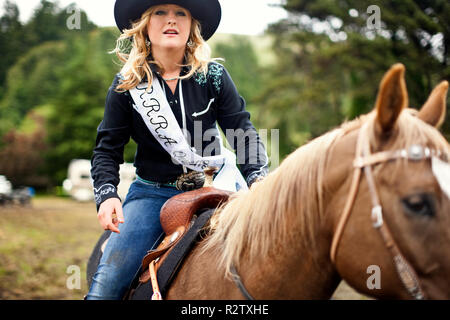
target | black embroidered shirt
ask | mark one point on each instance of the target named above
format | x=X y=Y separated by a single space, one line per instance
x=207 y=99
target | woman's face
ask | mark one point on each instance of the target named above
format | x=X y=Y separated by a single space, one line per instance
x=169 y=27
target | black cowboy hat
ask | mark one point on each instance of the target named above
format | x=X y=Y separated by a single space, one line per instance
x=207 y=12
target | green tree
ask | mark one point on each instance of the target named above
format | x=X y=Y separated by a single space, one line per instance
x=21 y=158
x=31 y=82
x=79 y=102
x=61 y=74
x=11 y=46
x=331 y=59
x=241 y=61
x=48 y=23
x=71 y=77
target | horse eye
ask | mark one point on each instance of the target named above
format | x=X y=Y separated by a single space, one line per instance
x=419 y=205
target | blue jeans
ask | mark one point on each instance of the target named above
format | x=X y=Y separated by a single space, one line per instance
x=140 y=232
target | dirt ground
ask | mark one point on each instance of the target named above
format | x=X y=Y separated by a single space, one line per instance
x=43 y=247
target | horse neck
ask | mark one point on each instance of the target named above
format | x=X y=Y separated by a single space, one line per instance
x=273 y=233
x=293 y=267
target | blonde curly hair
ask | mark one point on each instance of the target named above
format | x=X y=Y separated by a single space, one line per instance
x=136 y=56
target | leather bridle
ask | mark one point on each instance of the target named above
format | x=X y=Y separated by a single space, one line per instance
x=364 y=160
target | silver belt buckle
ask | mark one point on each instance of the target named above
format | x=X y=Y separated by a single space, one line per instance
x=190 y=181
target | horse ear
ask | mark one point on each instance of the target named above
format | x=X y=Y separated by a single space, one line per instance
x=392 y=98
x=433 y=111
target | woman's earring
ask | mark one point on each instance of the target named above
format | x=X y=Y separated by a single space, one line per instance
x=190 y=43
x=148 y=43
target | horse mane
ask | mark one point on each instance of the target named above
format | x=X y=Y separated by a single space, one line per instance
x=258 y=219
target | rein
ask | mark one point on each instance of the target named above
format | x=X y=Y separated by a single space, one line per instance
x=238 y=281
x=364 y=161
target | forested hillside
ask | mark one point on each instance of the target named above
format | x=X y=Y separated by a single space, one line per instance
x=307 y=74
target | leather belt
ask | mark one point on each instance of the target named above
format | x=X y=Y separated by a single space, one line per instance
x=186 y=182
x=158 y=184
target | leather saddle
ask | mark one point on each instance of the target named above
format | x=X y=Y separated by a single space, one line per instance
x=177 y=215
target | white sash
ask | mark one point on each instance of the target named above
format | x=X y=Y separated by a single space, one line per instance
x=159 y=119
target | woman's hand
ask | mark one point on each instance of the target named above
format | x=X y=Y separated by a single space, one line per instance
x=110 y=214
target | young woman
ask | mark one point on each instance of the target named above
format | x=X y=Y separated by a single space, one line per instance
x=168 y=97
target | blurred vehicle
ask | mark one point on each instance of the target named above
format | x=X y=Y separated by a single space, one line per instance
x=22 y=195
x=79 y=182
x=5 y=185
x=8 y=195
x=5 y=190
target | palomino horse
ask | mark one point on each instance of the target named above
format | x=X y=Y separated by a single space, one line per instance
x=279 y=235
x=366 y=194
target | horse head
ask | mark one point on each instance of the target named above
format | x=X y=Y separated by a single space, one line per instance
x=394 y=241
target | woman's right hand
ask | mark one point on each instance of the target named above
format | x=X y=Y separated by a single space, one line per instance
x=110 y=214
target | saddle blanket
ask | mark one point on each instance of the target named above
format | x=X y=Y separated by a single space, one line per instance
x=169 y=267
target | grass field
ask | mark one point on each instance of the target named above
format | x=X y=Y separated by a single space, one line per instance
x=40 y=242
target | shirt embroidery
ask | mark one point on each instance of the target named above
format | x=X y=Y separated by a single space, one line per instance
x=215 y=72
x=196 y=114
x=200 y=78
x=103 y=191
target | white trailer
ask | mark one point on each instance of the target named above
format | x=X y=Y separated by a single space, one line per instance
x=79 y=182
